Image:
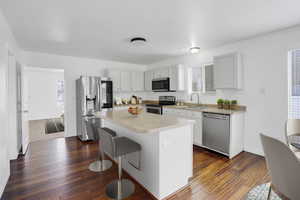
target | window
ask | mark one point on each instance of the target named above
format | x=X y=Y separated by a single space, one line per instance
x=196 y=74
x=202 y=79
x=209 y=78
x=294 y=84
x=60 y=92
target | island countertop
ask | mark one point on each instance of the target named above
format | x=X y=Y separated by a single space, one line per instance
x=144 y=122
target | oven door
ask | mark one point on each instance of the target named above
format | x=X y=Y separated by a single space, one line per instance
x=161 y=85
x=154 y=110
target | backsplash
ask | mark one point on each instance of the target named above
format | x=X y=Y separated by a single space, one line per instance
x=183 y=96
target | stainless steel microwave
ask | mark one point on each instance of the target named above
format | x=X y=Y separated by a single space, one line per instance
x=161 y=84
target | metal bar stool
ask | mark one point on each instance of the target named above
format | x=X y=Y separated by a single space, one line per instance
x=101 y=164
x=117 y=147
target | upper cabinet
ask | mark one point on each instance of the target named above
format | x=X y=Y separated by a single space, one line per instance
x=228 y=71
x=175 y=73
x=127 y=81
x=115 y=76
x=177 y=78
x=137 y=81
x=149 y=75
x=161 y=72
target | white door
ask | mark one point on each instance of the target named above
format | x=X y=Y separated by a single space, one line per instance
x=22 y=102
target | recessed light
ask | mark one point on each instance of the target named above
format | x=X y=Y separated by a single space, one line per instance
x=138 y=41
x=194 y=50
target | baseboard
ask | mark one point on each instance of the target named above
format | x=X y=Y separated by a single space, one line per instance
x=257 y=152
x=13 y=156
x=3 y=185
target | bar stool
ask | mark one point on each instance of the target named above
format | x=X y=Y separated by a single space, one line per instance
x=101 y=164
x=117 y=147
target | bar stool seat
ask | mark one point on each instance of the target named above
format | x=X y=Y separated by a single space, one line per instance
x=124 y=145
x=118 y=147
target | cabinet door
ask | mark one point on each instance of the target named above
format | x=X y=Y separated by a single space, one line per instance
x=149 y=75
x=177 y=78
x=137 y=81
x=164 y=72
x=161 y=72
x=116 y=79
x=125 y=81
x=198 y=130
x=226 y=72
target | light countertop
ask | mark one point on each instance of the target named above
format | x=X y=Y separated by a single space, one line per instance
x=144 y=122
x=209 y=109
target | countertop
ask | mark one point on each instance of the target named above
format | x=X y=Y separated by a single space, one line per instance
x=144 y=122
x=209 y=109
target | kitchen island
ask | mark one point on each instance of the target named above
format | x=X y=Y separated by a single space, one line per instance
x=166 y=162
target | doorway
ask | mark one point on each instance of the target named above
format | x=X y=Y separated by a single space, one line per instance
x=45 y=103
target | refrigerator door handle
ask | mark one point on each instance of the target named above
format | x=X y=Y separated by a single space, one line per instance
x=100 y=94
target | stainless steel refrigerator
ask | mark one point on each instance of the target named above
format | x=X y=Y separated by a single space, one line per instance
x=93 y=94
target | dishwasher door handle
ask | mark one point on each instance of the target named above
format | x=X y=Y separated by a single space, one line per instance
x=216 y=116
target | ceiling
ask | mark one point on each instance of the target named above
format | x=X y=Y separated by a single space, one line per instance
x=102 y=29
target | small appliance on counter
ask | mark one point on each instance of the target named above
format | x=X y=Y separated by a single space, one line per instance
x=133 y=100
x=118 y=101
x=125 y=101
x=140 y=100
x=163 y=101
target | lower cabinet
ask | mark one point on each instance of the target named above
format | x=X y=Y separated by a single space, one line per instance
x=197 y=116
x=236 y=144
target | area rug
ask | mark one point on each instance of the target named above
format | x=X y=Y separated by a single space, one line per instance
x=260 y=192
x=54 y=126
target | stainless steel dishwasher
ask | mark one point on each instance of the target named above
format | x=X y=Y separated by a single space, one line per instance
x=216 y=132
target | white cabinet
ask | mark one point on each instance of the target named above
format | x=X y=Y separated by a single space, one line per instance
x=149 y=75
x=161 y=72
x=177 y=78
x=196 y=116
x=176 y=74
x=228 y=71
x=115 y=76
x=126 y=81
x=137 y=81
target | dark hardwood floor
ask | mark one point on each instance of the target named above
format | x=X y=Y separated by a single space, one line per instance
x=58 y=169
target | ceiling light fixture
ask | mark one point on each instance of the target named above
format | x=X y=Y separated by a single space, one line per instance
x=194 y=50
x=138 y=41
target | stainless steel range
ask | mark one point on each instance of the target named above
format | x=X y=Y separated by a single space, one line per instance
x=163 y=101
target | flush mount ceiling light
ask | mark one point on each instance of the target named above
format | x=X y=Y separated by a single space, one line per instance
x=138 y=41
x=194 y=50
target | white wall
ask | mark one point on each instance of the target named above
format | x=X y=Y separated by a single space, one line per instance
x=73 y=67
x=265 y=78
x=42 y=87
x=7 y=42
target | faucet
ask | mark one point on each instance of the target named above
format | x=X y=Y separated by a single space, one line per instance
x=198 y=97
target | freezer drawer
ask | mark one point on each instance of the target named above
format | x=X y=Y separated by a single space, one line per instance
x=216 y=132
